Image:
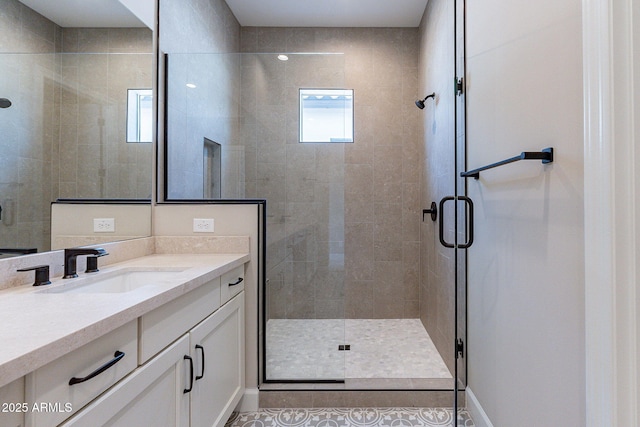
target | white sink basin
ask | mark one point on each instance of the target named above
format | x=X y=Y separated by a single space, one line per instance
x=117 y=282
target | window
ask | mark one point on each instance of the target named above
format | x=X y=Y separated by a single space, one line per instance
x=326 y=115
x=139 y=115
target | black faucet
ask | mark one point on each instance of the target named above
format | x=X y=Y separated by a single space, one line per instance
x=42 y=274
x=70 y=256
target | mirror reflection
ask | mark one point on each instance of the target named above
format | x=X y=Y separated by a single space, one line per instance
x=63 y=125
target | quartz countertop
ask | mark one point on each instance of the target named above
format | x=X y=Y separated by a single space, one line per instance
x=40 y=325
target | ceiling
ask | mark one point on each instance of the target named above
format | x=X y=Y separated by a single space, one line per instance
x=328 y=13
x=85 y=13
x=261 y=13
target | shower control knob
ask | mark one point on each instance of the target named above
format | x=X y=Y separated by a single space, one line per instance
x=433 y=211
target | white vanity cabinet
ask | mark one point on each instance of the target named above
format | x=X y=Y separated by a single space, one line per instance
x=183 y=366
x=217 y=349
x=197 y=381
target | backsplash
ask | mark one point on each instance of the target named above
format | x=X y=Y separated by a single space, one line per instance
x=119 y=252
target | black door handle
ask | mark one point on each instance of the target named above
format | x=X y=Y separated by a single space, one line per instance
x=118 y=355
x=469 y=242
x=441 y=223
x=188 y=390
x=470 y=239
x=201 y=348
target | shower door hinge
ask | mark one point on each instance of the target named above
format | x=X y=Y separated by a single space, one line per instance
x=459 y=348
x=459 y=86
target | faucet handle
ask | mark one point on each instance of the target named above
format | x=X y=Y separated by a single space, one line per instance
x=92 y=262
x=42 y=274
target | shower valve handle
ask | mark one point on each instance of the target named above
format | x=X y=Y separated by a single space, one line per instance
x=433 y=211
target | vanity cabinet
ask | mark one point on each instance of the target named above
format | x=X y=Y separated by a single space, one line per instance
x=183 y=365
x=217 y=349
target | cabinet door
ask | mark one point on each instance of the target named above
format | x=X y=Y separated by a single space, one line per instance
x=153 y=395
x=217 y=348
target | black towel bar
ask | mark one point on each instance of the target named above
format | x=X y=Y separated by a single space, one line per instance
x=546 y=155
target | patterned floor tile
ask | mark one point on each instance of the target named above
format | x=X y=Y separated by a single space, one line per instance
x=349 y=417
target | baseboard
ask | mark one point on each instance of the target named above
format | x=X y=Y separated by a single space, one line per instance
x=480 y=418
x=249 y=401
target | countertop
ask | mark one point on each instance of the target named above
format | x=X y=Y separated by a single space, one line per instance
x=40 y=325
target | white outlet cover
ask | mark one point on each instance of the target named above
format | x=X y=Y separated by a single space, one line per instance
x=203 y=225
x=104 y=225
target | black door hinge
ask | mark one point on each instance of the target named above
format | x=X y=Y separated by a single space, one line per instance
x=459 y=86
x=459 y=349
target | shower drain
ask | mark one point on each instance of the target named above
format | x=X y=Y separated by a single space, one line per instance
x=344 y=347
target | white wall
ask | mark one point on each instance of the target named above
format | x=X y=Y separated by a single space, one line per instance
x=526 y=351
x=72 y=224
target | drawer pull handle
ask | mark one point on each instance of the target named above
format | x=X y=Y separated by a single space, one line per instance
x=118 y=355
x=187 y=390
x=201 y=348
x=240 y=279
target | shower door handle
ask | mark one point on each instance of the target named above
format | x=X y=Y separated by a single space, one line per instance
x=469 y=203
x=441 y=223
x=443 y=242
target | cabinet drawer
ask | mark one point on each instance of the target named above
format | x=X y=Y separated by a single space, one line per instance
x=165 y=324
x=50 y=384
x=151 y=396
x=231 y=284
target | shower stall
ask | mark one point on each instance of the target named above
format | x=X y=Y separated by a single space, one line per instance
x=355 y=294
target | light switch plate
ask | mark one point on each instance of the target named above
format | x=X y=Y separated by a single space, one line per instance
x=203 y=225
x=104 y=225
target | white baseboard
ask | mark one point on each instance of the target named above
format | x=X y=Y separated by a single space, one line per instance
x=480 y=418
x=249 y=401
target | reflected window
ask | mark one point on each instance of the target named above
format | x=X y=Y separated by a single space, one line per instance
x=139 y=115
x=326 y=115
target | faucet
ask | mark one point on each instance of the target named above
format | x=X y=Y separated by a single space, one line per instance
x=70 y=256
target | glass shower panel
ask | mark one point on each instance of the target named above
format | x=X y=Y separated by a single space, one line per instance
x=249 y=105
x=304 y=187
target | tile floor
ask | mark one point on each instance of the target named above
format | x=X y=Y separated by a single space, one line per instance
x=351 y=417
x=307 y=349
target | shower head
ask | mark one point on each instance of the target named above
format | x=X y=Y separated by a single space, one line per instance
x=5 y=103
x=420 y=102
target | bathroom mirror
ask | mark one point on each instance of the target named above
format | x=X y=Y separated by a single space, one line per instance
x=68 y=67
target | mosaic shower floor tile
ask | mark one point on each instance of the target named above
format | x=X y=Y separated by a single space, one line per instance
x=350 y=417
x=379 y=348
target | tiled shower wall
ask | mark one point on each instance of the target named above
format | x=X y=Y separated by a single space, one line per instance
x=382 y=170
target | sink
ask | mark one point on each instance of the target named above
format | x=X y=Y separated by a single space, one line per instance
x=116 y=282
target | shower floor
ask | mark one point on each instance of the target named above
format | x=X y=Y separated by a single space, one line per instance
x=308 y=349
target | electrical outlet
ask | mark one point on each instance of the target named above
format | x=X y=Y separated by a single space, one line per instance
x=104 y=225
x=203 y=225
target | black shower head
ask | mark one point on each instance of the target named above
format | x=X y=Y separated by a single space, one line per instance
x=420 y=102
x=5 y=103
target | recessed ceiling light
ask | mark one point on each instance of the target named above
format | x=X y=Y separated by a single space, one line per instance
x=282 y=57
x=191 y=85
